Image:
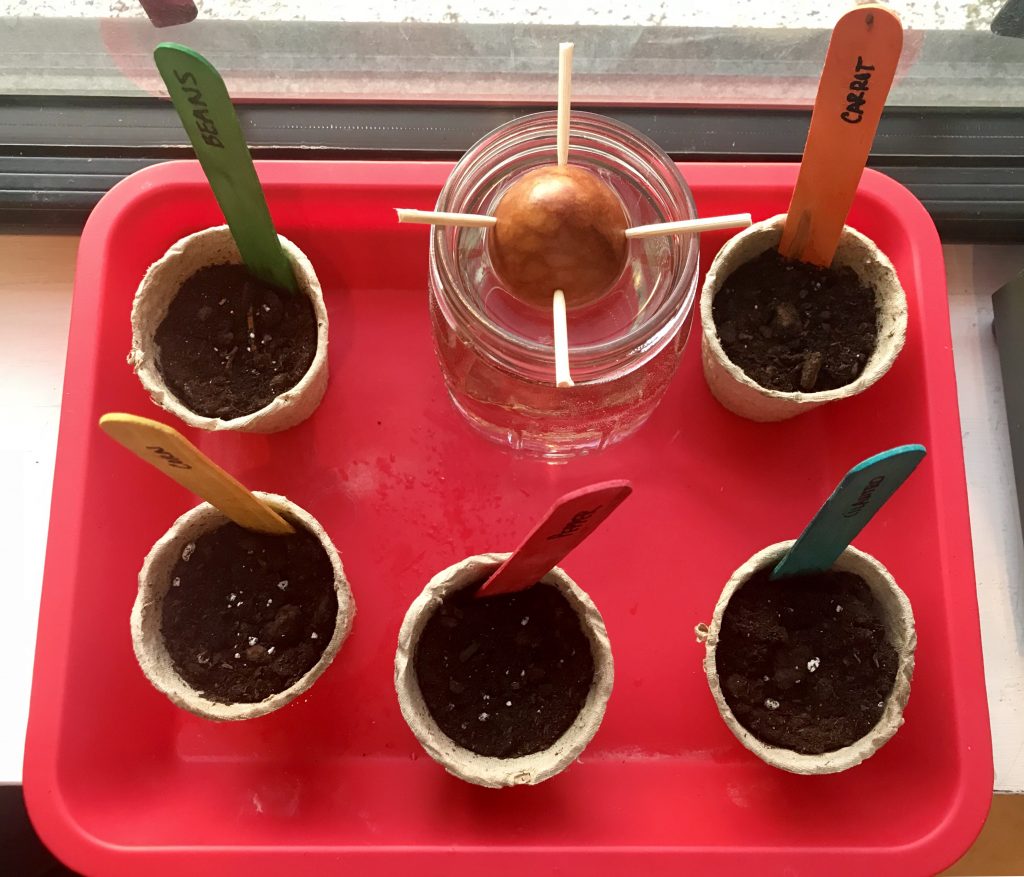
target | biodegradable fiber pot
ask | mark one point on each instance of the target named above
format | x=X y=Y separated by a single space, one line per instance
x=463 y=763
x=155 y=581
x=902 y=636
x=215 y=246
x=744 y=396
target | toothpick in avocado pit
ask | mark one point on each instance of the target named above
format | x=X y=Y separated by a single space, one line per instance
x=690 y=226
x=169 y=451
x=565 y=51
x=657 y=229
x=589 y=253
x=434 y=217
x=562 y=226
x=563 y=377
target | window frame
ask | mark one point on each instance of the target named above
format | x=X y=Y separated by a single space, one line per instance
x=59 y=155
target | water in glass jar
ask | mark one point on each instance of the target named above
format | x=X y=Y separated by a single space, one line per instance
x=624 y=350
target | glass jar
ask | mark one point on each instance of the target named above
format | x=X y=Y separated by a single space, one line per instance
x=496 y=352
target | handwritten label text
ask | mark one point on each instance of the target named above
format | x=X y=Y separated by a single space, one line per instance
x=200 y=112
x=577 y=521
x=168 y=457
x=865 y=497
x=859 y=85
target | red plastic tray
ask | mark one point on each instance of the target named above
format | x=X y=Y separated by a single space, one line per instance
x=120 y=782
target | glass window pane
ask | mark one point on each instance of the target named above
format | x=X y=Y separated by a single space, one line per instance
x=730 y=52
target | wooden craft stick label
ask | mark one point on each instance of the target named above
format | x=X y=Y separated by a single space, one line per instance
x=550 y=540
x=860 y=84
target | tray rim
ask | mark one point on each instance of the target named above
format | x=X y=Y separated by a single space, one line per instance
x=70 y=840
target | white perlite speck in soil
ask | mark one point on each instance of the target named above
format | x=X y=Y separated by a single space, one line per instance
x=488 y=771
x=154 y=583
x=902 y=634
x=158 y=288
x=740 y=393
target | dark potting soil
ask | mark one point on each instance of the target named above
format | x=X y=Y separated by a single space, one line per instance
x=792 y=326
x=804 y=662
x=230 y=343
x=504 y=676
x=247 y=613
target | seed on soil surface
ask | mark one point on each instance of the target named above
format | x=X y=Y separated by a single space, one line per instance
x=810 y=370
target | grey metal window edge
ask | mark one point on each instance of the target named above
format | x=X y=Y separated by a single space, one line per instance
x=58 y=155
